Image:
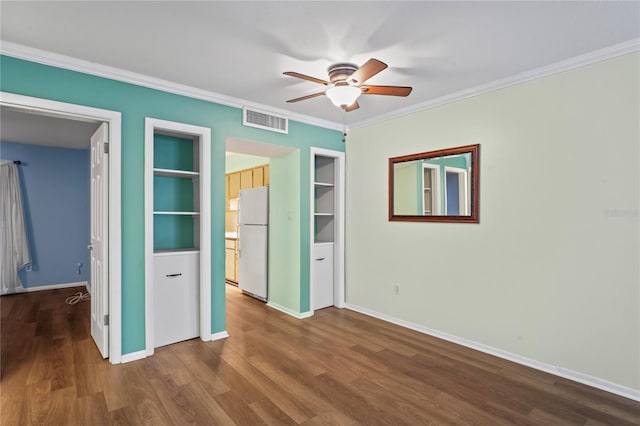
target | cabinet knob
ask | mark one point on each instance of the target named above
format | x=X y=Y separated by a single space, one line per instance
x=173 y=275
x=322 y=258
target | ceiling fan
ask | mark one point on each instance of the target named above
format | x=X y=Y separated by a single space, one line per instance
x=345 y=84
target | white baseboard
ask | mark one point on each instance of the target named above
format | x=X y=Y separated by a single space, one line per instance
x=566 y=373
x=47 y=287
x=219 y=335
x=288 y=311
x=134 y=356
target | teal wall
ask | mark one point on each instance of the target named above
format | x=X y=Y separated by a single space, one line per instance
x=172 y=152
x=173 y=193
x=135 y=103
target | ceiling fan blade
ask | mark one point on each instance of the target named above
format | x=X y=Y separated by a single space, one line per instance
x=306 y=77
x=352 y=107
x=386 y=90
x=303 y=98
x=366 y=71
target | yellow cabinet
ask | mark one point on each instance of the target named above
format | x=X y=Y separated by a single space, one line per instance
x=258 y=177
x=234 y=185
x=246 y=179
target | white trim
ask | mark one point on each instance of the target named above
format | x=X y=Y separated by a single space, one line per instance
x=547 y=70
x=219 y=335
x=93 y=68
x=48 y=287
x=288 y=311
x=339 y=214
x=133 y=356
x=114 y=118
x=204 y=146
x=576 y=376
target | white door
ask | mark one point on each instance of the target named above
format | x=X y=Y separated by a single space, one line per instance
x=254 y=206
x=99 y=248
x=322 y=275
x=252 y=269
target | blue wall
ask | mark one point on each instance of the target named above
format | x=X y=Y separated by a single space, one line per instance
x=56 y=198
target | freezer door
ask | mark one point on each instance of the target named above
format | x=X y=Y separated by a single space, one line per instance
x=254 y=206
x=252 y=268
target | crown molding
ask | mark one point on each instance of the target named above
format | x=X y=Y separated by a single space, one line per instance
x=67 y=62
x=600 y=55
x=74 y=64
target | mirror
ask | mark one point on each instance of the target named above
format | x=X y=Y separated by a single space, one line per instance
x=436 y=186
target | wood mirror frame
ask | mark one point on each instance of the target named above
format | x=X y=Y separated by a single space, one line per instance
x=431 y=176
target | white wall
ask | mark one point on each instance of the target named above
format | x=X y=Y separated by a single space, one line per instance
x=551 y=273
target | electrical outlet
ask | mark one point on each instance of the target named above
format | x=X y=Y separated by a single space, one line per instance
x=28 y=267
x=396 y=289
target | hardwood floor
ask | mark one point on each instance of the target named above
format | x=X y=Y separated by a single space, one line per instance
x=336 y=368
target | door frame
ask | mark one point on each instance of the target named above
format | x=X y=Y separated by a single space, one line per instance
x=204 y=146
x=114 y=260
x=463 y=189
x=435 y=189
x=339 y=209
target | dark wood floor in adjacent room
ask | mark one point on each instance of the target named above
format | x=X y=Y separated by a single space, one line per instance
x=338 y=367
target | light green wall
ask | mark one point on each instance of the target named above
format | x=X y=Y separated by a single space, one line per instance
x=551 y=272
x=284 y=245
x=407 y=190
x=135 y=103
x=237 y=162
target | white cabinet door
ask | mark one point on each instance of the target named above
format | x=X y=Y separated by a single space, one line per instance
x=322 y=275
x=176 y=307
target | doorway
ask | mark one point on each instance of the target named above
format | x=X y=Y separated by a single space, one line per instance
x=106 y=307
x=456 y=192
x=250 y=261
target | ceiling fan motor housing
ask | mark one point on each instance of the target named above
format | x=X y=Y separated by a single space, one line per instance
x=339 y=73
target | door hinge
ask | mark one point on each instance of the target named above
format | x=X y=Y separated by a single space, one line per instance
x=106 y=320
x=106 y=147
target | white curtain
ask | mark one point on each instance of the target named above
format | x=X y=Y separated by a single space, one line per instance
x=14 y=249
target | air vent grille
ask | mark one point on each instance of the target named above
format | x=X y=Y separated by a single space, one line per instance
x=263 y=120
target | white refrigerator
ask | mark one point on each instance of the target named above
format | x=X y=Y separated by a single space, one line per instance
x=253 y=222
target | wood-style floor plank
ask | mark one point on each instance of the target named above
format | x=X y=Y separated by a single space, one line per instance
x=336 y=368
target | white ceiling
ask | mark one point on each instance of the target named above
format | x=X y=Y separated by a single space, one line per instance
x=21 y=126
x=240 y=49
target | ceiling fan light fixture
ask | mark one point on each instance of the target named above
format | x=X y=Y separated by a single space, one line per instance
x=343 y=96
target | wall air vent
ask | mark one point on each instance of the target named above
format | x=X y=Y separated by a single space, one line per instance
x=263 y=120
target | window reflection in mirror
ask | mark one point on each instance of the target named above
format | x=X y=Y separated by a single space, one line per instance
x=435 y=186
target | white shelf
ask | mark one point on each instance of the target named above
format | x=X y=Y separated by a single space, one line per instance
x=322 y=214
x=323 y=185
x=179 y=213
x=175 y=173
x=175 y=252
